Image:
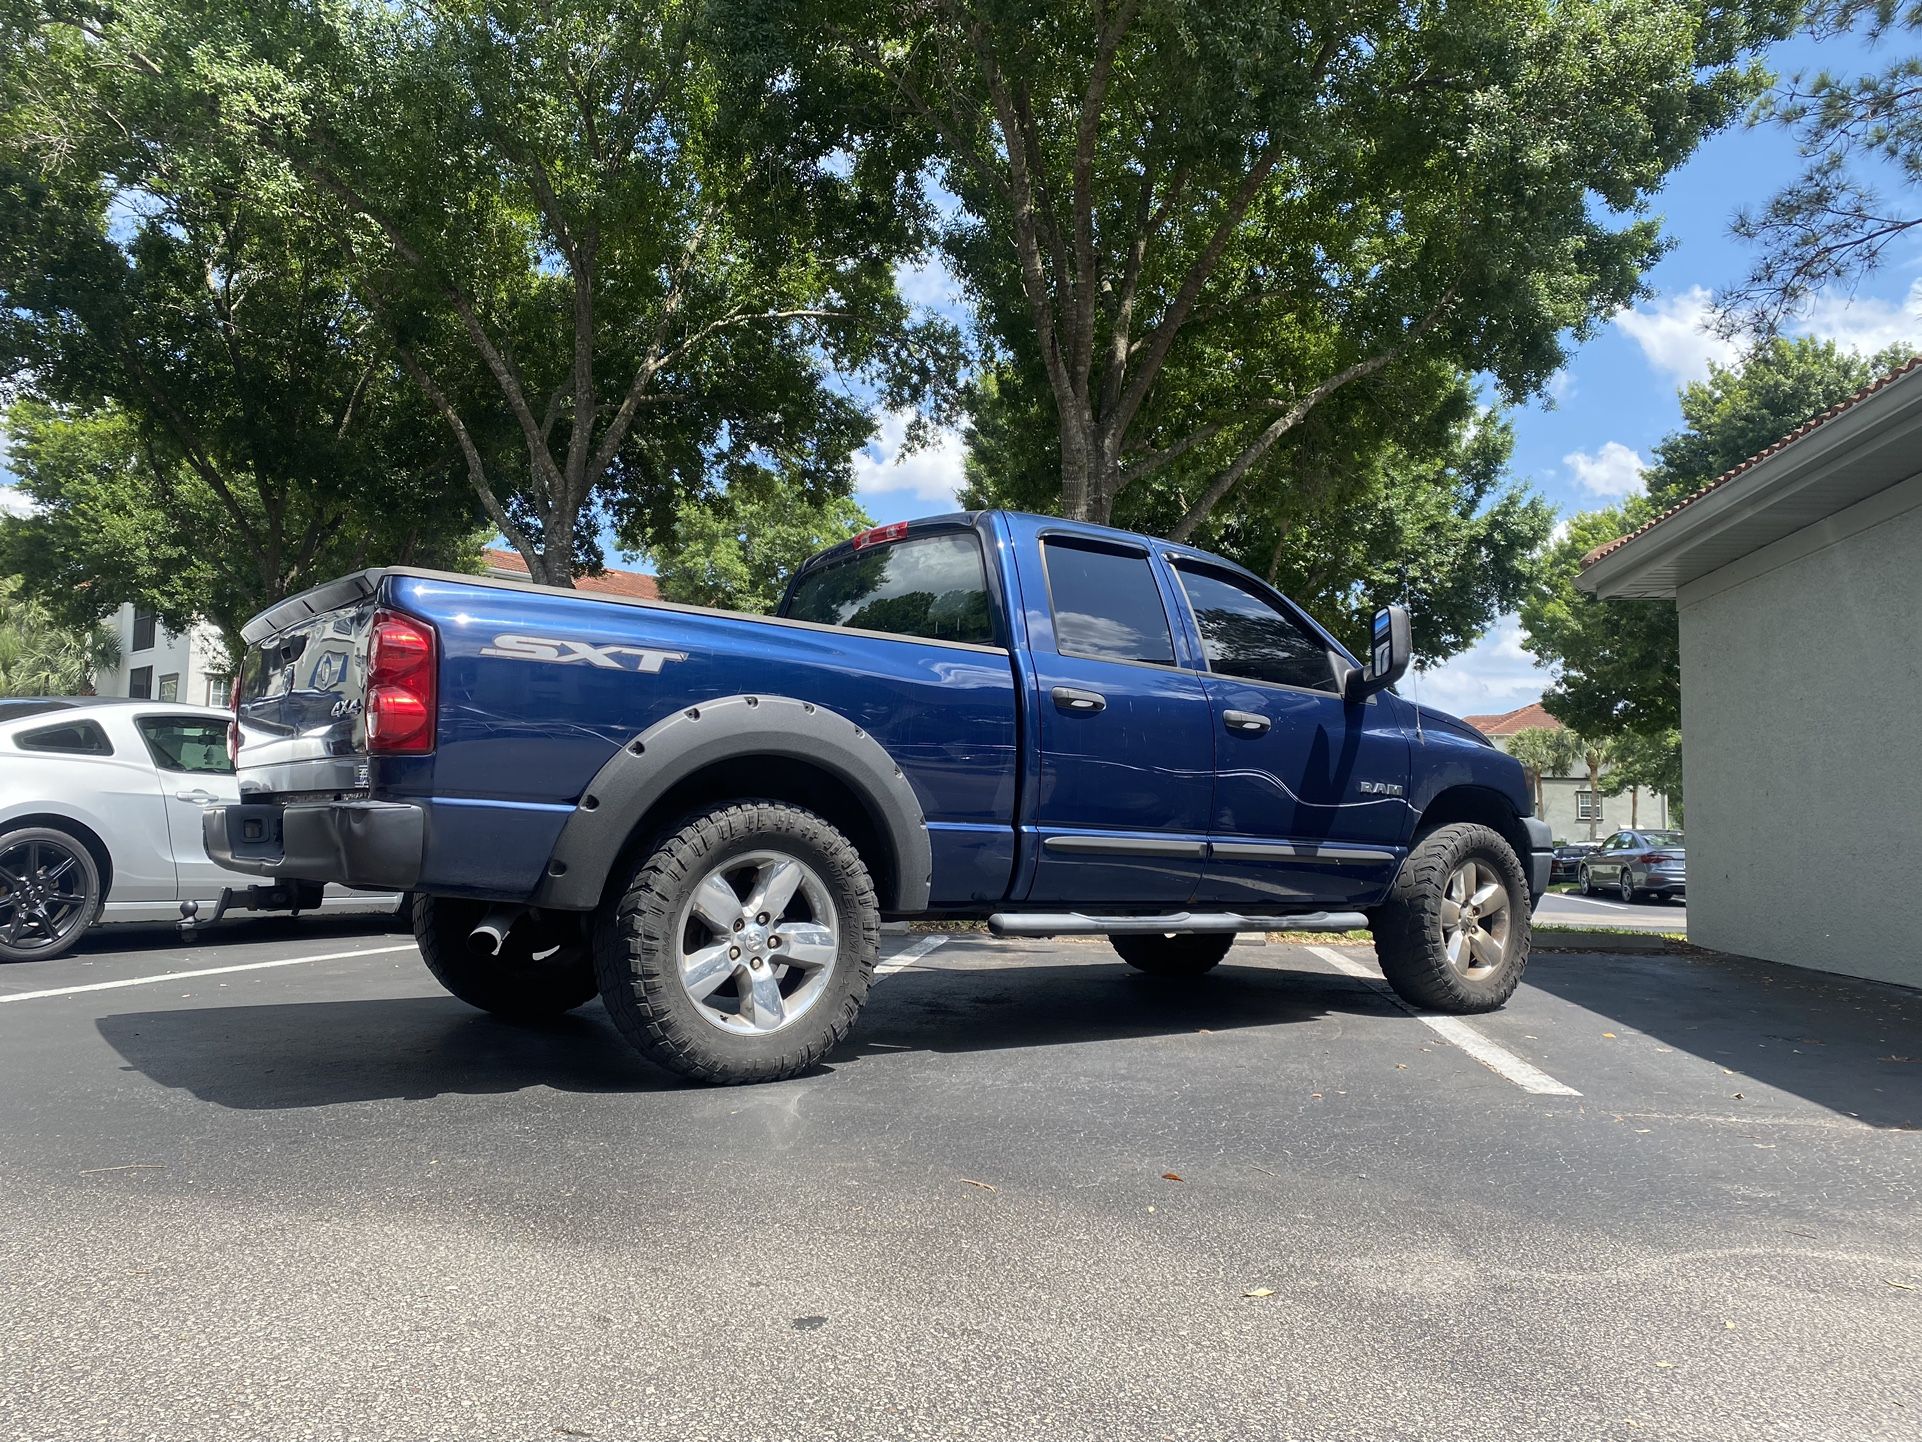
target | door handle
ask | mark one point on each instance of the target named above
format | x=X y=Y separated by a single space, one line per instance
x=1245 y=723
x=1068 y=698
x=204 y=798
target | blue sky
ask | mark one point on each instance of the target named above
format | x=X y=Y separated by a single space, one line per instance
x=1584 y=444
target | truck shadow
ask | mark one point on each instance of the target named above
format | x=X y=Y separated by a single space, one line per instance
x=331 y=1053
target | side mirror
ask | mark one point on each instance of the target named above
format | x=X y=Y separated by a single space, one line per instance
x=1391 y=647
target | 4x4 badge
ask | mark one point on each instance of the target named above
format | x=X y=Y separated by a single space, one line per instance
x=565 y=653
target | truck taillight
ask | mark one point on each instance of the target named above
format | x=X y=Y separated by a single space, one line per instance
x=401 y=671
x=233 y=726
x=880 y=535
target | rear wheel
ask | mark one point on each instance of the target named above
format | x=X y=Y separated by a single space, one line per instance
x=742 y=948
x=49 y=893
x=543 y=968
x=1454 y=932
x=1186 y=954
x=1626 y=886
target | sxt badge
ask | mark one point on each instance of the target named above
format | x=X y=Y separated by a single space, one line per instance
x=567 y=653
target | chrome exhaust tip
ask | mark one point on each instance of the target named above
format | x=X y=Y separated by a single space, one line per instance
x=488 y=938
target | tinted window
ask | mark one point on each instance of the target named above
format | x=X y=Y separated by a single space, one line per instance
x=187 y=743
x=74 y=738
x=935 y=586
x=143 y=627
x=1106 y=604
x=1244 y=635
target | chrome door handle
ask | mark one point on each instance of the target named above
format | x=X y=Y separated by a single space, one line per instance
x=1245 y=723
x=1068 y=698
x=204 y=798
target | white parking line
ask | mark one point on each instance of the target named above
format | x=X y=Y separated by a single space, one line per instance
x=203 y=971
x=909 y=955
x=1591 y=901
x=1456 y=1032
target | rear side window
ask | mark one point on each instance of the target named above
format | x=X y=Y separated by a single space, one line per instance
x=931 y=586
x=1245 y=635
x=71 y=738
x=1106 y=604
x=187 y=743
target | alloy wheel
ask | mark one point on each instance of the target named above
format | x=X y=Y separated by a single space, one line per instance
x=44 y=895
x=1476 y=919
x=759 y=939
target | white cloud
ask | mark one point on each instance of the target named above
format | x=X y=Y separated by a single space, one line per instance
x=1676 y=335
x=1561 y=386
x=932 y=473
x=1496 y=674
x=1864 y=324
x=1613 y=471
x=15 y=502
x=929 y=283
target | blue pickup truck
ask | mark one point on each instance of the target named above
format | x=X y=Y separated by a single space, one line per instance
x=704 y=817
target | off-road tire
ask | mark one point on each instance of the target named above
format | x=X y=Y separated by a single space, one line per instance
x=636 y=946
x=1188 y=954
x=1408 y=926
x=545 y=966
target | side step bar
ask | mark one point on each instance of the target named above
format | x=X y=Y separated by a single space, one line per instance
x=1074 y=923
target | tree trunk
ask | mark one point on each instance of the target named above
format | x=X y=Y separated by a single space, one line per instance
x=1634 y=805
x=1594 y=795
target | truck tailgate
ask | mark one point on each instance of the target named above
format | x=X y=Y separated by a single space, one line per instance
x=301 y=692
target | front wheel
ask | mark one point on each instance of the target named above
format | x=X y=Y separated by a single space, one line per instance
x=541 y=970
x=1453 y=935
x=49 y=893
x=1174 y=955
x=741 y=949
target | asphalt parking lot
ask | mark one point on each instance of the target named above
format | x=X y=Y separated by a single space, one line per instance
x=307 y=1195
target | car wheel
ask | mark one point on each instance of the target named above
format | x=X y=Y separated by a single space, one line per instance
x=49 y=893
x=1454 y=932
x=1588 y=883
x=543 y=968
x=1626 y=886
x=742 y=947
x=1188 y=954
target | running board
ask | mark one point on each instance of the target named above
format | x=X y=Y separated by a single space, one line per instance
x=1074 y=923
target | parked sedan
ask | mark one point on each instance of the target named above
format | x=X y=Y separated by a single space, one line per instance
x=1565 y=862
x=1634 y=864
x=100 y=804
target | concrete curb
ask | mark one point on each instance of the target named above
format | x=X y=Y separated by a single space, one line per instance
x=1574 y=938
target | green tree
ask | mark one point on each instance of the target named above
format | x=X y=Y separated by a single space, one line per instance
x=1645 y=763
x=737 y=549
x=1187 y=226
x=1835 y=222
x=1618 y=663
x=609 y=263
x=1545 y=751
x=42 y=656
x=1598 y=755
x=201 y=414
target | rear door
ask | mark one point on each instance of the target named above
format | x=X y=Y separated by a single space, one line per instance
x=1309 y=805
x=1125 y=735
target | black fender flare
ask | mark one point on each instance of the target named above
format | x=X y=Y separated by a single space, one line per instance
x=638 y=775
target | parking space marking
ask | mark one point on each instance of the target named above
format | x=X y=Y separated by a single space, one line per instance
x=1591 y=901
x=1456 y=1032
x=203 y=971
x=909 y=955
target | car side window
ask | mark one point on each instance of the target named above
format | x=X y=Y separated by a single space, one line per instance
x=195 y=744
x=1245 y=635
x=69 y=738
x=934 y=587
x=1106 y=604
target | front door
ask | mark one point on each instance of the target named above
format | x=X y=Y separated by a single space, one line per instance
x=1126 y=737
x=1309 y=805
x=190 y=753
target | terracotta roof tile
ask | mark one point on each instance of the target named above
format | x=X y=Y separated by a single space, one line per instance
x=1532 y=717
x=1813 y=423
x=608 y=583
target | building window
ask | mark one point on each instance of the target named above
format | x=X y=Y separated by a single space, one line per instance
x=170 y=687
x=140 y=683
x=142 y=629
x=1588 y=806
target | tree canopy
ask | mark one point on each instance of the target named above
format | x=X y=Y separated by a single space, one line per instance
x=737 y=549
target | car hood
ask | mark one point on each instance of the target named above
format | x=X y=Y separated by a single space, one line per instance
x=1434 y=720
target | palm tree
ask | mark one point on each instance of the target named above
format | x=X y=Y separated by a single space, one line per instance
x=1545 y=751
x=1598 y=754
x=39 y=656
